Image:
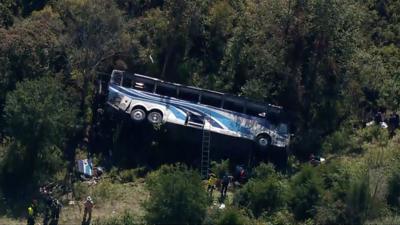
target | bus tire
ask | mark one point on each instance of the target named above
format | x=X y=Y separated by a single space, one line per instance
x=155 y=117
x=263 y=141
x=138 y=114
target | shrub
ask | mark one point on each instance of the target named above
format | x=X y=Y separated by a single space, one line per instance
x=104 y=190
x=229 y=215
x=393 y=189
x=358 y=201
x=264 y=171
x=293 y=165
x=80 y=190
x=261 y=195
x=128 y=175
x=306 y=189
x=281 y=217
x=336 y=182
x=335 y=178
x=373 y=134
x=113 y=174
x=341 y=141
x=177 y=196
x=126 y=219
x=331 y=211
x=221 y=168
x=232 y=216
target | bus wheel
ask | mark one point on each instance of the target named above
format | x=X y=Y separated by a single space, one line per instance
x=138 y=114
x=155 y=117
x=263 y=140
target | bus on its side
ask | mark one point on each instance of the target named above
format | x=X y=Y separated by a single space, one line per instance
x=165 y=102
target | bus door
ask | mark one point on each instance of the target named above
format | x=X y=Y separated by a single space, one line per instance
x=194 y=120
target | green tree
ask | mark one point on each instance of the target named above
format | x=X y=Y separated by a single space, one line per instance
x=265 y=192
x=375 y=66
x=262 y=196
x=306 y=189
x=134 y=8
x=177 y=196
x=264 y=171
x=336 y=182
x=26 y=7
x=173 y=36
x=358 y=201
x=296 y=54
x=6 y=14
x=94 y=38
x=30 y=49
x=39 y=116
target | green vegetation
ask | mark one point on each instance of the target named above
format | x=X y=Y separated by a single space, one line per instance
x=330 y=64
x=39 y=115
x=394 y=189
x=306 y=189
x=263 y=193
x=177 y=196
x=125 y=219
x=233 y=217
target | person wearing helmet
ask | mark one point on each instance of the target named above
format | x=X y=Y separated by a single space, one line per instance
x=88 y=206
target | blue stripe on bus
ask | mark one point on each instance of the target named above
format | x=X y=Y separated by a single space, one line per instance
x=231 y=125
x=210 y=119
x=172 y=108
x=176 y=113
x=214 y=117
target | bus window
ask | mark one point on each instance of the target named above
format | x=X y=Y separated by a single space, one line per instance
x=166 y=89
x=257 y=110
x=211 y=99
x=233 y=105
x=143 y=84
x=127 y=82
x=116 y=77
x=188 y=95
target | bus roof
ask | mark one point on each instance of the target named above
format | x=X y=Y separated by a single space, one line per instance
x=271 y=108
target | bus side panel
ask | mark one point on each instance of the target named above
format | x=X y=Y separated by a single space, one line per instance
x=171 y=114
x=176 y=115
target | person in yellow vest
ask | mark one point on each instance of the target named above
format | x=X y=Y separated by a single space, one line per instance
x=31 y=215
x=212 y=180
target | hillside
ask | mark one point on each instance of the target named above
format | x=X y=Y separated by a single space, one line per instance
x=333 y=66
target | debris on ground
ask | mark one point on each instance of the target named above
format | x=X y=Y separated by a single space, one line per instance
x=88 y=172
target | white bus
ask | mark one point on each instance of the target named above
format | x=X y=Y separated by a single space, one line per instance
x=165 y=102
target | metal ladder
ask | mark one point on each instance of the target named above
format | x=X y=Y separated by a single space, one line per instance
x=205 y=151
